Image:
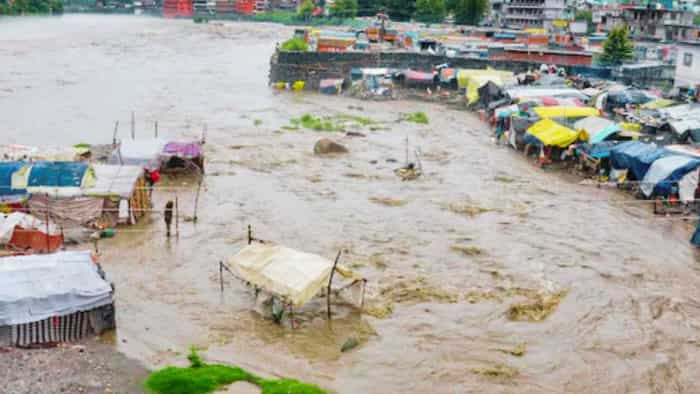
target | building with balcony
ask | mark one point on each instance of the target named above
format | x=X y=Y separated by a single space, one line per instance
x=533 y=13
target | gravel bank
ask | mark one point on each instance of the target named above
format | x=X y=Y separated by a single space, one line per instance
x=89 y=366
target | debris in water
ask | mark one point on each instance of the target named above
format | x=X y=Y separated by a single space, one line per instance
x=417 y=290
x=496 y=371
x=388 y=201
x=379 y=310
x=467 y=208
x=350 y=344
x=378 y=260
x=517 y=351
x=536 y=310
x=257 y=122
x=314 y=178
x=324 y=146
x=409 y=172
x=504 y=179
x=467 y=250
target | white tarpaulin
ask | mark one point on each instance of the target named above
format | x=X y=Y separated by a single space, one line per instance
x=660 y=170
x=687 y=186
x=144 y=153
x=292 y=275
x=37 y=287
x=523 y=93
x=8 y=223
x=114 y=181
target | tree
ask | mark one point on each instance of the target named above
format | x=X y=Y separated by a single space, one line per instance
x=618 y=47
x=469 y=12
x=430 y=11
x=368 y=7
x=400 y=10
x=305 y=10
x=344 y=8
x=696 y=20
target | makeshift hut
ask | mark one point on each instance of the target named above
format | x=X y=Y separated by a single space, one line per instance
x=291 y=276
x=9 y=196
x=665 y=173
x=182 y=156
x=331 y=86
x=549 y=133
x=636 y=157
x=597 y=129
x=124 y=191
x=472 y=80
x=418 y=78
x=559 y=112
x=49 y=298
x=26 y=233
x=54 y=178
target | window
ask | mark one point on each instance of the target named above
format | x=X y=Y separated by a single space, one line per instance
x=687 y=59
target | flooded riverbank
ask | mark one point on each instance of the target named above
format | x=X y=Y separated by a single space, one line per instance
x=481 y=234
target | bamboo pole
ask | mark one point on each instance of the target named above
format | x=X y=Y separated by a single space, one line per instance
x=196 y=200
x=156 y=129
x=221 y=275
x=330 y=281
x=48 y=215
x=133 y=126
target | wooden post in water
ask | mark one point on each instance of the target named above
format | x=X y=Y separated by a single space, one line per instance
x=156 y=129
x=196 y=200
x=133 y=125
x=221 y=275
x=114 y=134
x=330 y=281
x=204 y=134
x=250 y=234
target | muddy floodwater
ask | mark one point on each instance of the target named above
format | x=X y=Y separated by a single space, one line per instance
x=487 y=274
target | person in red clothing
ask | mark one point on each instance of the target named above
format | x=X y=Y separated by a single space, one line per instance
x=152 y=177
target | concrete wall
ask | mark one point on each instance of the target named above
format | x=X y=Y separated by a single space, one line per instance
x=313 y=66
x=688 y=75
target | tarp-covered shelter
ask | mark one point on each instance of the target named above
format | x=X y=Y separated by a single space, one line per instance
x=550 y=133
x=472 y=80
x=124 y=190
x=24 y=232
x=636 y=157
x=293 y=276
x=56 y=178
x=140 y=152
x=55 y=297
x=665 y=172
x=331 y=86
x=598 y=129
x=418 y=77
x=525 y=93
x=177 y=155
x=7 y=169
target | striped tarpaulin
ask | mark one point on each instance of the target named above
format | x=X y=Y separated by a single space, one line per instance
x=67 y=328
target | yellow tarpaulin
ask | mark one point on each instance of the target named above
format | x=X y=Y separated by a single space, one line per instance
x=551 y=133
x=560 y=23
x=566 y=112
x=536 y=31
x=472 y=80
x=631 y=126
x=656 y=104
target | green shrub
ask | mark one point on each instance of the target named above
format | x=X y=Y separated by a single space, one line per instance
x=417 y=117
x=295 y=44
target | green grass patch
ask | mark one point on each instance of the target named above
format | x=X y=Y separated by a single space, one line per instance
x=257 y=122
x=417 y=117
x=295 y=44
x=338 y=122
x=202 y=378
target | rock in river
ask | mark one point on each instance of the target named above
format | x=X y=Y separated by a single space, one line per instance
x=324 y=146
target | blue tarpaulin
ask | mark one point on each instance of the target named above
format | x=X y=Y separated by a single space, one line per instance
x=6 y=171
x=636 y=157
x=695 y=239
x=57 y=174
x=600 y=150
x=665 y=172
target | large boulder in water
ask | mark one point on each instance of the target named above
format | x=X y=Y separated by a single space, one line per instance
x=324 y=146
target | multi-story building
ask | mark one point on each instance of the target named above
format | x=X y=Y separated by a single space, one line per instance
x=533 y=13
x=648 y=22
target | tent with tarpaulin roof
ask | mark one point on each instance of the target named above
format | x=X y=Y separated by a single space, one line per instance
x=665 y=174
x=636 y=157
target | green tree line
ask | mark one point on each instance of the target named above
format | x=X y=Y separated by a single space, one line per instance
x=24 y=7
x=465 y=12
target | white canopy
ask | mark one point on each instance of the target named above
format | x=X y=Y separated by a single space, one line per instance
x=292 y=275
x=660 y=170
x=37 y=287
x=143 y=152
x=114 y=180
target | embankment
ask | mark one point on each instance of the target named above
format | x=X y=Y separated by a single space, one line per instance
x=312 y=67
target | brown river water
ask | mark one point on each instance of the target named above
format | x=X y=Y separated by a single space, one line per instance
x=451 y=252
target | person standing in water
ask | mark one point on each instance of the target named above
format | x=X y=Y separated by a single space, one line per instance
x=168 y=215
